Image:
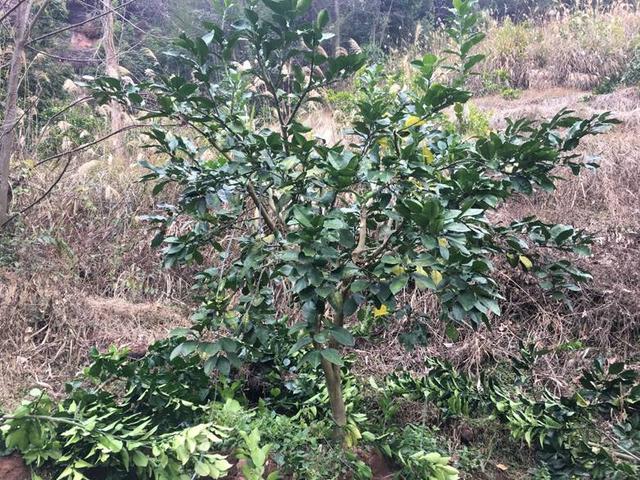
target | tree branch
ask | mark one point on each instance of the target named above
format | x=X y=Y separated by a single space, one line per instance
x=362 y=237
x=12 y=9
x=41 y=197
x=261 y=208
x=84 y=146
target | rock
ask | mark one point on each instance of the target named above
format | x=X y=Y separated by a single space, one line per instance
x=13 y=468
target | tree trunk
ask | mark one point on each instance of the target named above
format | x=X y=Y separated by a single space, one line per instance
x=375 y=11
x=337 y=23
x=332 y=373
x=334 y=386
x=7 y=133
x=112 y=69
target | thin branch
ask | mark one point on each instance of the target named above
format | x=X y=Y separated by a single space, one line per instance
x=362 y=236
x=35 y=18
x=19 y=119
x=66 y=167
x=59 y=113
x=64 y=59
x=84 y=146
x=250 y=187
x=306 y=92
x=383 y=246
x=261 y=208
x=41 y=197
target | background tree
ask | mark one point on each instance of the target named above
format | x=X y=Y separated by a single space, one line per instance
x=21 y=11
x=112 y=69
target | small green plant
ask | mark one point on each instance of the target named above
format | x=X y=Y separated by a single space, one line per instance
x=509 y=93
x=415 y=449
x=540 y=473
x=564 y=429
x=631 y=75
x=471 y=460
x=494 y=81
x=471 y=121
x=254 y=456
x=79 y=438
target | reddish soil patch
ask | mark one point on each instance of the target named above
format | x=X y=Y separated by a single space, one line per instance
x=379 y=465
x=80 y=41
x=13 y=468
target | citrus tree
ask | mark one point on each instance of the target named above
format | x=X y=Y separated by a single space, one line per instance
x=312 y=237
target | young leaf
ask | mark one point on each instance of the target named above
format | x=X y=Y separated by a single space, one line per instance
x=332 y=355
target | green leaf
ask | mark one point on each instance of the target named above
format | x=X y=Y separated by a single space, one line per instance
x=473 y=61
x=452 y=332
x=300 y=344
x=332 y=355
x=301 y=217
x=467 y=300
x=110 y=443
x=343 y=336
x=561 y=233
x=223 y=366
x=183 y=350
x=322 y=19
x=303 y=5
x=398 y=284
x=139 y=459
x=359 y=285
x=202 y=469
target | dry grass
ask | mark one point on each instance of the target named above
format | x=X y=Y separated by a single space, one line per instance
x=577 y=50
x=91 y=233
x=49 y=329
x=581 y=49
x=78 y=273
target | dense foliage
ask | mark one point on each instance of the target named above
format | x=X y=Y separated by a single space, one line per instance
x=339 y=232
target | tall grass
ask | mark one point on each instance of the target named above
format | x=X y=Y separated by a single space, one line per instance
x=579 y=49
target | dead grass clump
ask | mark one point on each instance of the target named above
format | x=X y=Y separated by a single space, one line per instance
x=78 y=271
x=507 y=49
x=91 y=233
x=580 y=49
x=49 y=328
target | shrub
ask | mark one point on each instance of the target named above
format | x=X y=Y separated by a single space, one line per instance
x=150 y=421
x=508 y=54
x=331 y=230
x=416 y=450
x=312 y=237
x=568 y=430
